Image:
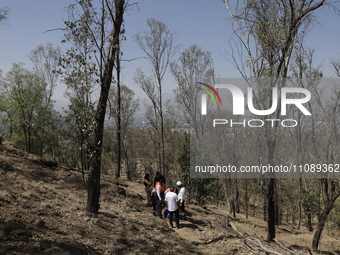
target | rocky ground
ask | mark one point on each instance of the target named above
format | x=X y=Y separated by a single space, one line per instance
x=42 y=212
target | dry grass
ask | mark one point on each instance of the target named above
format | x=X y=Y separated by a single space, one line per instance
x=42 y=212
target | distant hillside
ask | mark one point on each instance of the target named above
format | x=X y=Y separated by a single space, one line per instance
x=42 y=212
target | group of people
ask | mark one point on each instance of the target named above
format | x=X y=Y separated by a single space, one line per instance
x=173 y=197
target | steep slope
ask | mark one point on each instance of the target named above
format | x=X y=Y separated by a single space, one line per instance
x=42 y=212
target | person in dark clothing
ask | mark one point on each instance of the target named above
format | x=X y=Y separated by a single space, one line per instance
x=158 y=177
x=153 y=200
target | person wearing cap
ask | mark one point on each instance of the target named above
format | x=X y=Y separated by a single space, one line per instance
x=168 y=190
x=181 y=197
x=172 y=202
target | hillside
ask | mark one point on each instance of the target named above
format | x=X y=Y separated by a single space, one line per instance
x=42 y=212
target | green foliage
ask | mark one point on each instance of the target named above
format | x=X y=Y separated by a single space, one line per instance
x=310 y=202
x=202 y=190
x=80 y=73
x=29 y=110
x=183 y=160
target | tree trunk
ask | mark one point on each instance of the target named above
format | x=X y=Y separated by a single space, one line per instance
x=162 y=135
x=82 y=163
x=309 y=220
x=277 y=209
x=95 y=159
x=159 y=148
x=264 y=201
x=247 y=199
x=226 y=195
x=271 y=209
x=128 y=171
x=321 y=223
x=118 y=115
x=237 y=197
x=271 y=188
x=233 y=209
x=291 y=214
x=300 y=204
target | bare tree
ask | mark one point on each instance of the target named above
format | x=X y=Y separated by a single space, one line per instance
x=194 y=65
x=104 y=29
x=266 y=31
x=304 y=135
x=45 y=61
x=128 y=107
x=330 y=113
x=158 y=45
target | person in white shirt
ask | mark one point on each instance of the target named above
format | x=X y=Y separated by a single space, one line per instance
x=172 y=202
x=181 y=197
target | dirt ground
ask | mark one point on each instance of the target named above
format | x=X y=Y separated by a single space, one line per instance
x=42 y=212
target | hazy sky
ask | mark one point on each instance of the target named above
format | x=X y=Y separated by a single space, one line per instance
x=202 y=22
